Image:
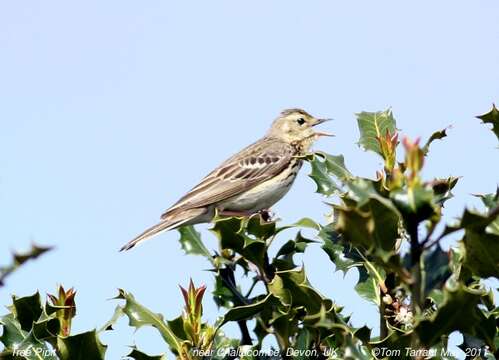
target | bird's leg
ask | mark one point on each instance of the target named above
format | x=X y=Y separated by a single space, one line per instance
x=267 y=215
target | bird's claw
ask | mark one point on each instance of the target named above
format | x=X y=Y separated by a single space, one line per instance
x=266 y=215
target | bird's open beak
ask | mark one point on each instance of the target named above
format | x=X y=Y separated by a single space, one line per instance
x=318 y=134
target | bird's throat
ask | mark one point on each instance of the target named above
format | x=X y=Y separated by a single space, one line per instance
x=301 y=147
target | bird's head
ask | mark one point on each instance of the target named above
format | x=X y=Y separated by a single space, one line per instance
x=296 y=126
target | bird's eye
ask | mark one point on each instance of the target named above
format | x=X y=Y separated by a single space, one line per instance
x=300 y=121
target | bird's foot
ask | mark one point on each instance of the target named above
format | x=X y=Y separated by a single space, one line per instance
x=267 y=215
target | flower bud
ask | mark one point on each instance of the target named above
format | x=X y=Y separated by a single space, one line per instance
x=414 y=156
x=65 y=308
x=193 y=310
x=388 y=145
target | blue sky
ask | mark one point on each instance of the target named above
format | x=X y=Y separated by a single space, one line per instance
x=110 y=111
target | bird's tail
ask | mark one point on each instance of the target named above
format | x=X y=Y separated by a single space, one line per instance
x=168 y=223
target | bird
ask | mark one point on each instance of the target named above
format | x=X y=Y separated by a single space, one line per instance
x=250 y=181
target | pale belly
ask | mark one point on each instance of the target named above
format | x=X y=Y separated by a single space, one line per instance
x=264 y=195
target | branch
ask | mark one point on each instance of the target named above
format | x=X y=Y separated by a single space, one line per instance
x=227 y=276
x=250 y=290
x=428 y=243
x=429 y=234
x=416 y=293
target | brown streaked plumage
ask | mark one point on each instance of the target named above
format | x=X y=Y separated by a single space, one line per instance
x=252 y=180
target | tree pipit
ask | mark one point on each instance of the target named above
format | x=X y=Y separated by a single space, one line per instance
x=250 y=181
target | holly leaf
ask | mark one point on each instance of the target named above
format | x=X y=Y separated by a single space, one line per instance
x=298 y=245
x=417 y=201
x=247 y=311
x=29 y=323
x=292 y=289
x=259 y=228
x=177 y=327
x=46 y=327
x=368 y=286
x=341 y=255
x=386 y=221
x=320 y=175
x=27 y=310
x=305 y=222
x=284 y=257
x=436 y=269
x=15 y=338
x=491 y=202
x=108 y=326
x=231 y=233
x=442 y=188
x=335 y=165
x=222 y=345
x=303 y=343
x=363 y=334
x=222 y=294
x=396 y=339
x=480 y=244
x=437 y=135
x=373 y=227
x=381 y=217
x=324 y=167
x=81 y=347
x=492 y=117
x=373 y=125
x=458 y=312
x=12 y=331
x=20 y=259
x=136 y=354
x=355 y=351
x=139 y=316
x=191 y=242
x=481 y=253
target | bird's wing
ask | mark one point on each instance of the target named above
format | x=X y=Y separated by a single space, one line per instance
x=246 y=169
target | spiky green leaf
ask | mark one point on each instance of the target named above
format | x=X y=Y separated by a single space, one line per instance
x=27 y=310
x=492 y=117
x=247 y=311
x=136 y=354
x=320 y=175
x=192 y=244
x=373 y=227
x=417 y=202
x=335 y=165
x=139 y=316
x=437 y=135
x=459 y=311
x=373 y=125
x=442 y=188
x=436 y=269
x=25 y=342
x=21 y=258
x=491 y=202
x=81 y=347
x=292 y=288
x=481 y=253
x=341 y=255
x=232 y=234
x=371 y=278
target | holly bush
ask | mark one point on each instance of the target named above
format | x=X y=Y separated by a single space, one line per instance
x=388 y=228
